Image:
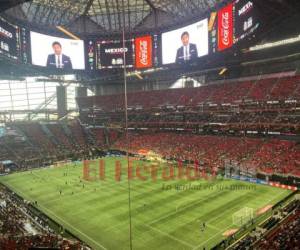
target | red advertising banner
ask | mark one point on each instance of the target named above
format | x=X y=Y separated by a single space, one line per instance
x=225 y=27
x=143 y=52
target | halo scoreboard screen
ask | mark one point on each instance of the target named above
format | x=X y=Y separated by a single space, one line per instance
x=57 y=53
x=222 y=30
x=245 y=19
x=110 y=54
x=10 y=44
x=185 y=44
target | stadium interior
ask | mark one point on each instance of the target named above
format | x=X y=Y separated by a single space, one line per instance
x=149 y=124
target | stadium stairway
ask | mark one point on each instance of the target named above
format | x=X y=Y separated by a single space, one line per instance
x=49 y=134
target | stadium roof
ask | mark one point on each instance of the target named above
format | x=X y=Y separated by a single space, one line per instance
x=107 y=15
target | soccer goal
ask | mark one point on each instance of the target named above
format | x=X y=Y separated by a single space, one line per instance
x=242 y=216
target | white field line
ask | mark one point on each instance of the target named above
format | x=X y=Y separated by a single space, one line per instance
x=223 y=230
x=164 y=233
x=169 y=235
x=65 y=222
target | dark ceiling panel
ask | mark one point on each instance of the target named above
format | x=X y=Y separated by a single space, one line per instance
x=7 y=4
x=113 y=15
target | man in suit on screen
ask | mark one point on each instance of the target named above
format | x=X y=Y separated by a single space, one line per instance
x=58 y=60
x=188 y=51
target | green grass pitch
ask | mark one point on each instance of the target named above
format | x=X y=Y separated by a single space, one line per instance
x=161 y=219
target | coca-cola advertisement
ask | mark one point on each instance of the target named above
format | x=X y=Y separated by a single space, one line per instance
x=245 y=19
x=110 y=54
x=143 y=52
x=225 y=28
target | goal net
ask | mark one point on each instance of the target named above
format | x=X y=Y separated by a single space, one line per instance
x=242 y=216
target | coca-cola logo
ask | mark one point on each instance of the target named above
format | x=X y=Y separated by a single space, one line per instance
x=225 y=28
x=143 y=52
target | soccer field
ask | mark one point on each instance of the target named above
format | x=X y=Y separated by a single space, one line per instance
x=163 y=216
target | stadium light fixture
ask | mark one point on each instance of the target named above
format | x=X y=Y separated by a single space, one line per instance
x=138 y=75
x=222 y=71
x=68 y=33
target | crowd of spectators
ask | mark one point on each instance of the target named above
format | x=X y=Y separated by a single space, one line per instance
x=43 y=148
x=35 y=144
x=262 y=104
x=266 y=103
x=20 y=229
x=284 y=237
x=264 y=155
x=270 y=89
x=263 y=89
